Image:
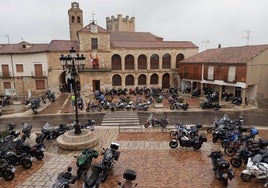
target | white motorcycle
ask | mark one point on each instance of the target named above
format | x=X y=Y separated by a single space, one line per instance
x=255 y=169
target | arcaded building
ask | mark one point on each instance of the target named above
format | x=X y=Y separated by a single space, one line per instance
x=118 y=56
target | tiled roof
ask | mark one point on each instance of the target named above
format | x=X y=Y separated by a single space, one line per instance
x=153 y=44
x=87 y=29
x=241 y=54
x=126 y=36
x=62 y=45
x=22 y=48
x=144 y=40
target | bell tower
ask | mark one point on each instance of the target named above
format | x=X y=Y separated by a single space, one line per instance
x=75 y=20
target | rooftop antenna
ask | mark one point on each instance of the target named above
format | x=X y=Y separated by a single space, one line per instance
x=206 y=43
x=247 y=36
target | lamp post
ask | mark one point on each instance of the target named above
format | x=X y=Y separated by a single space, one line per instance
x=73 y=62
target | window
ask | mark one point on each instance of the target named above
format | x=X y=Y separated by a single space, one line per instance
x=179 y=58
x=210 y=72
x=7 y=85
x=142 y=80
x=116 y=80
x=166 y=61
x=129 y=62
x=154 y=61
x=129 y=80
x=142 y=62
x=73 y=19
x=19 y=67
x=94 y=43
x=116 y=62
x=231 y=74
x=40 y=84
x=78 y=19
x=154 y=79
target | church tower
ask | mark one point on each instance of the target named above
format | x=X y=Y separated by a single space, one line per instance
x=75 y=20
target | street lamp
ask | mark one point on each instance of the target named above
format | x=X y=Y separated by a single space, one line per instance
x=73 y=62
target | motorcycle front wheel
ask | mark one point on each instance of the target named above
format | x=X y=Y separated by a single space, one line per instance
x=8 y=175
x=229 y=151
x=87 y=109
x=26 y=163
x=236 y=162
x=104 y=175
x=146 y=125
x=245 y=177
x=173 y=144
x=39 y=155
x=225 y=144
x=173 y=134
x=224 y=182
x=197 y=146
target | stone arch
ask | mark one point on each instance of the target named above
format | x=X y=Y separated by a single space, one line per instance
x=116 y=80
x=166 y=61
x=142 y=79
x=154 y=62
x=129 y=80
x=116 y=62
x=154 y=79
x=179 y=58
x=142 y=62
x=66 y=81
x=129 y=62
x=165 y=81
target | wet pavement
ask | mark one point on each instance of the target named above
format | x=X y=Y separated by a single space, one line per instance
x=144 y=150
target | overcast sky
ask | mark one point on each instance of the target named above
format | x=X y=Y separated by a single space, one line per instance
x=206 y=23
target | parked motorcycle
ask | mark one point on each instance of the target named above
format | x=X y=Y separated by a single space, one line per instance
x=26 y=131
x=210 y=104
x=50 y=95
x=51 y=133
x=94 y=180
x=64 y=179
x=181 y=128
x=129 y=176
x=178 y=106
x=221 y=167
x=83 y=161
x=1 y=113
x=141 y=106
x=88 y=125
x=5 y=101
x=80 y=103
x=91 y=106
x=17 y=160
x=151 y=121
x=36 y=150
x=35 y=104
x=255 y=169
x=6 y=170
x=111 y=155
x=187 y=141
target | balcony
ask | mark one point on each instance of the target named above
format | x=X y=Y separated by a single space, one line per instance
x=6 y=74
x=190 y=76
x=94 y=70
x=230 y=79
x=38 y=74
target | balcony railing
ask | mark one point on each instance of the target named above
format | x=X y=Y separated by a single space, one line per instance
x=6 y=74
x=38 y=74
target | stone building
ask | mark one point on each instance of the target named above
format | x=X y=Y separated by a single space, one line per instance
x=117 y=56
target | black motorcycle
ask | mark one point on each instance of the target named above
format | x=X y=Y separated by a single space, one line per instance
x=26 y=131
x=64 y=179
x=187 y=141
x=36 y=150
x=83 y=161
x=80 y=103
x=210 y=104
x=111 y=155
x=35 y=104
x=6 y=170
x=151 y=121
x=177 y=106
x=5 y=101
x=17 y=160
x=94 y=179
x=221 y=167
x=50 y=95
x=89 y=124
x=91 y=106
